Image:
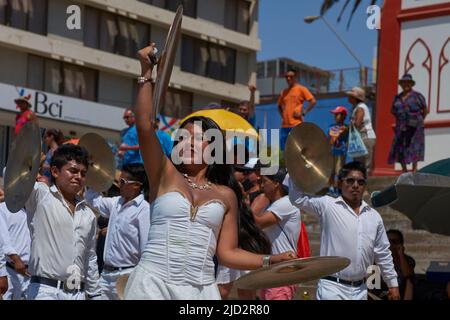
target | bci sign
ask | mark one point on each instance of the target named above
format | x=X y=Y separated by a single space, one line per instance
x=42 y=105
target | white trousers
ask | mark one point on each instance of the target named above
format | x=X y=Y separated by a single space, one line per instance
x=108 y=281
x=38 y=291
x=330 y=290
x=17 y=285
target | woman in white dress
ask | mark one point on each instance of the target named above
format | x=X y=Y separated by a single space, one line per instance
x=193 y=215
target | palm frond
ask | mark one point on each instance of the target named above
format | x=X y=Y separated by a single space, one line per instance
x=355 y=6
x=326 y=5
x=343 y=9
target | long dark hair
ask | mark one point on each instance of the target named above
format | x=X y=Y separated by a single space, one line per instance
x=250 y=237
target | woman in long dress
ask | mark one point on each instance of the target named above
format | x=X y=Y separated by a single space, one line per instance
x=193 y=215
x=410 y=110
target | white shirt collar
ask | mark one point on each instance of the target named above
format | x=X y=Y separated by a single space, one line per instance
x=54 y=189
x=136 y=201
x=363 y=208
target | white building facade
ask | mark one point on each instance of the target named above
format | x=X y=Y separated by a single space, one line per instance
x=81 y=80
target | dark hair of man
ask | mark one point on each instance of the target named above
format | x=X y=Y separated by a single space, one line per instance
x=66 y=153
x=398 y=233
x=292 y=70
x=136 y=172
x=250 y=236
x=244 y=103
x=352 y=166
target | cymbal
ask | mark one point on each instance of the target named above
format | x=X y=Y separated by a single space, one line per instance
x=121 y=284
x=292 y=272
x=22 y=167
x=166 y=61
x=100 y=175
x=308 y=157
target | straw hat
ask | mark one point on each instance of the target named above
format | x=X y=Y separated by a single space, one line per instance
x=357 y=93
x=407 y=78
x=23 y=99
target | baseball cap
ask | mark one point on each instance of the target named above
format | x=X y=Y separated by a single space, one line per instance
x=340 y=109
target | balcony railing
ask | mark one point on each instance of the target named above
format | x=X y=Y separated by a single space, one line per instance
x=330 y=81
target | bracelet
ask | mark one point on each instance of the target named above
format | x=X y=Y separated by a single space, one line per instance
x=142 y=80
x=266 y=261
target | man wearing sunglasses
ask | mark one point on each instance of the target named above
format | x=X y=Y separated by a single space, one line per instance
x=129 y=222
x=351 y=229
x=290 y=105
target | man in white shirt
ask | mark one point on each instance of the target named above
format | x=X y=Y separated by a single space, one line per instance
x=3 y=273
x=281 y=224
x=350 y=228
x=17 y=241
x=63 y=263
x=129 y=222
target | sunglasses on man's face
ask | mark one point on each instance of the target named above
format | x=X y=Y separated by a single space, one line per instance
x=351 y=181
x=124 y=181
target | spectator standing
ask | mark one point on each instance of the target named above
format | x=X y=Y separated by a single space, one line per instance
x=410 y=110
x=290 y=105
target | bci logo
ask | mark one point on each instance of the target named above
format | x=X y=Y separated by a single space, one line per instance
x=45 y=107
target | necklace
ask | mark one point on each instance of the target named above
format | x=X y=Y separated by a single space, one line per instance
x=193 y=185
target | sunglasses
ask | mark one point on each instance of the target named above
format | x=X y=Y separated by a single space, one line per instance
x=124 y=181
x=351 y=181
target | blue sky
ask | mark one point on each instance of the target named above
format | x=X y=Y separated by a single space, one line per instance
x=283 y=33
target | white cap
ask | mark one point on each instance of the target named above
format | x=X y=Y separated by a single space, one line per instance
x=251 y=163
x=286 y=180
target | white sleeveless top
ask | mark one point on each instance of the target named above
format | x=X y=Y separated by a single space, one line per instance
x=180 y=249
x=366 y=128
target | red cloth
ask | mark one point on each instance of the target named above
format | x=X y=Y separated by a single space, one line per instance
x=21 y=120
x=303 y=250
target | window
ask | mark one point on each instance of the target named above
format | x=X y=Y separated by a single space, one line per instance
x=189 y=6
x=115 y=34
x=61 y=78
x=260 y=69
x=237 y=15
x=208 y=60
x=30 y=15
x=178 y=103
x=271 y=68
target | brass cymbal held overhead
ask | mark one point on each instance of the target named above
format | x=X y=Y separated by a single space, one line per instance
x=308 y=157
x=22 y=167
x=166 y=61
x=100 y=175
x=292 y=272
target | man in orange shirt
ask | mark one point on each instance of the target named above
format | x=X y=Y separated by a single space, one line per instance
x=290 y=105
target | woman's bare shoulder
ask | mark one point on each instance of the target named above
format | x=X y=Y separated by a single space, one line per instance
x=227 y=195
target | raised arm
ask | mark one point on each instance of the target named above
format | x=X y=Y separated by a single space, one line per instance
x=306 y=203
x=96 y=200
x=151 y=151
